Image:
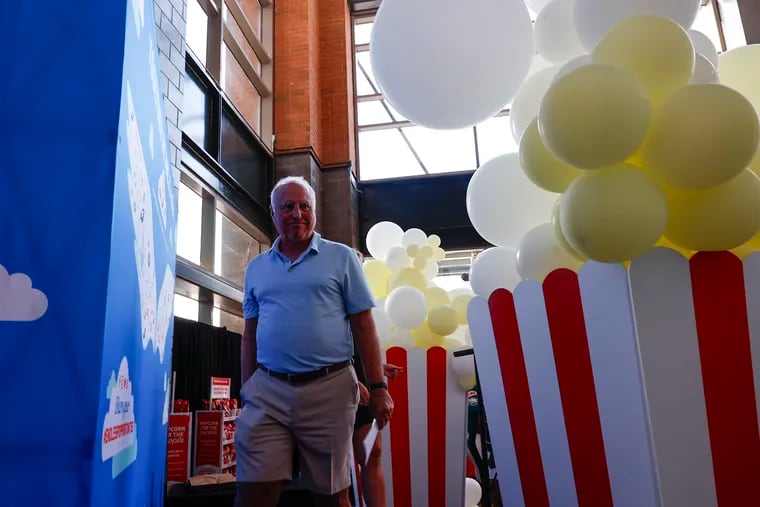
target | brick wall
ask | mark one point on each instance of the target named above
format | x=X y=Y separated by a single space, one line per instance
x=170 y=17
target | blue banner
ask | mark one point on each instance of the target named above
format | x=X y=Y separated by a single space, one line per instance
x=88 y=212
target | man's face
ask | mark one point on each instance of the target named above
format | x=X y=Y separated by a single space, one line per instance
x=293 y=213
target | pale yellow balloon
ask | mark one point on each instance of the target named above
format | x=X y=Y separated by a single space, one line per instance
x=377 y=274
x=407 y=276
x=424 y=337
x=540 y=166
x=426 y=252
x=460 y=304
x=719 y=218
x=613 y=215
x=419 y=263
x=738 y=68
x=561 y=239
x=665 y=242
x=656 y=50
x=443 y=320
x=702 y=135
x=413 y=250
x=439 y=254
x=436 y=296
x=451 y=344
x=434 y=240
x=594 y=117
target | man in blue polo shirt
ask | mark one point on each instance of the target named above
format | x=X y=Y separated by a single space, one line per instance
x=306 y=302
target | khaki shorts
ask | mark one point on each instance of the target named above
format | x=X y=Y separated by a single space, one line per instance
x=316 y=417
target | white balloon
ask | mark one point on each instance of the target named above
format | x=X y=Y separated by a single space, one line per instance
x=446 y=65
x=399 y=338
x=492 y=269
x=381 y=237
x=414 y=236
x=554 y=32
x=472 y=492
x=503 y=203
x=704 y=72
x=397 y=258
x=704 y=46
x=406 y=307
x=430 y=270
x=528 y=100
x=539 y=253
x=575 y=63
x=594 y=18
x=537 y=5
x=382 y=323
x=464 y=370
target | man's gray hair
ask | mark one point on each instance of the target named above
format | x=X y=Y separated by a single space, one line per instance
x=298 y=180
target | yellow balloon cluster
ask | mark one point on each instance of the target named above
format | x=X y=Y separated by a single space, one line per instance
x=412 y=311
x=642 y=156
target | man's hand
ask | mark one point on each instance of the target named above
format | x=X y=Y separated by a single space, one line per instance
x=392 y=371
x=380 y=406
x=363 y=394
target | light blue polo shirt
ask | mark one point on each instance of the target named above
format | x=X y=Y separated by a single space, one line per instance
x=303 y=306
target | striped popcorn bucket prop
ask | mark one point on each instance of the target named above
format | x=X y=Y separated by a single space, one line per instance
x=424 y=446
x=626 y=389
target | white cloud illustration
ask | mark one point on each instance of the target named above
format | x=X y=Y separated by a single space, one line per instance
x=18 y=300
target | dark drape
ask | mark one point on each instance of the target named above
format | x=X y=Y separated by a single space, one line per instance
x=199 y=352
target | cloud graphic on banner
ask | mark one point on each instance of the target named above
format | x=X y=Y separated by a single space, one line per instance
x=119 y=429
x=164 y=313
x=19 y=301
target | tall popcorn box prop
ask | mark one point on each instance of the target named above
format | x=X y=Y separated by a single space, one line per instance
x=88 y=213
x=424 y=445
x=626 y=389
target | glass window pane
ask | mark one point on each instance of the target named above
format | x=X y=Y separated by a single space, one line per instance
x=233 y=249
x=189 y=213
x=396 y=115
x=363 y=87
x=384 y=154
x=733 y=28
x=196 y=33
x=362 y=63
x=241 y=91
x=244 y=159
x=232 y=322
x=185 y=307
x=495 y=138
x=252 y=11
x=194 y=111
x=443 y=150
x=242 y=41
x=372 y=112
x=362 y=32
x=707 y=24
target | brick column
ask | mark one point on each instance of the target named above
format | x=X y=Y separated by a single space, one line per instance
x=314 y=108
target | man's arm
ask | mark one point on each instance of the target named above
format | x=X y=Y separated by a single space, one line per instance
x=365 y=336
x=248 y=349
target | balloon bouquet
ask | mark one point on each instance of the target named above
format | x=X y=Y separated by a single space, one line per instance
x=635 y=134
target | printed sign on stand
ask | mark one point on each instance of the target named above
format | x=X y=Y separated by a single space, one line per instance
x=208 y=438
x=220 y=388
x=178 y=448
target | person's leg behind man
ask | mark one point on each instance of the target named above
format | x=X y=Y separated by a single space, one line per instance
x=264 y=444
x=323 y=423
x=372 y=476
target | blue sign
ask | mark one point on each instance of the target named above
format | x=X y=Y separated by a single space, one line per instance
x=88 y=213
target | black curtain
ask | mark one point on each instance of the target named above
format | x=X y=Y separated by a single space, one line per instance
x=199 y=352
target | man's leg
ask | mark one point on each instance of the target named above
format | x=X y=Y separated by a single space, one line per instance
x=258 y=494
x=263 y=441
x=373 y=478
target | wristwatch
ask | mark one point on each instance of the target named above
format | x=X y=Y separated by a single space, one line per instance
x=378 y=385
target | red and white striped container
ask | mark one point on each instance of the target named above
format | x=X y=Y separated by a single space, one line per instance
x=424 y=446
x=626 y=389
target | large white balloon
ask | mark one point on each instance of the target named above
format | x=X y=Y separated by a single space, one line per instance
x=704 y=46
x=406 y=307
x=554 y=32
x=537 y=6
x=503 y=203
x=446 y=64
x=528 y=100
x=594 y=18
x=414 y=236
x=381 y=237
x=704 y=72
x=382 y=323
x=539 y=253
x=492 y=269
